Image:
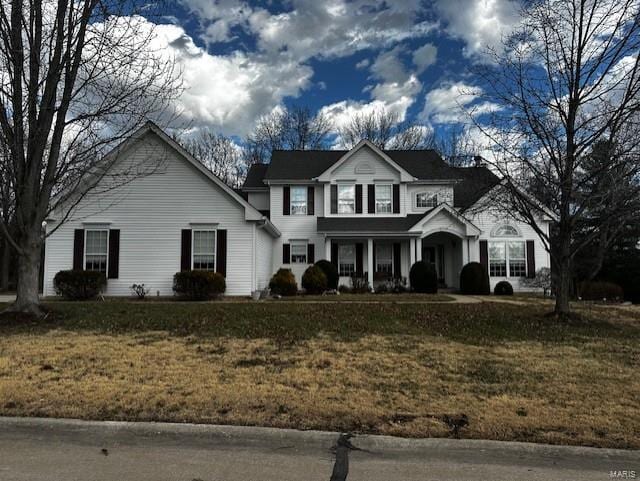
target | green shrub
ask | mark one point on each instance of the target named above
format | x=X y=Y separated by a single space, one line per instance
x=330 y=272
x=503 y=288
x=79 y=285
x=283 y=283
x=600 y=290
x=474 y=279
x=314 y=280
x=198 y=285
x=423 y=278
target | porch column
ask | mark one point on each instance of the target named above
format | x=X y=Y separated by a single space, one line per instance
x=465 y=251
x=412 y=252
x=327 y=249
x=370 y=262
x=419 y=249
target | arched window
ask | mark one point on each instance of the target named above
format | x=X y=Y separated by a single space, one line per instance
x=505 y=230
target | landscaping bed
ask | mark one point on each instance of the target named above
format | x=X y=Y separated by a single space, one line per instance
x=387 y=368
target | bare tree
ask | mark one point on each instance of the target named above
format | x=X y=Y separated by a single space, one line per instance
x=566 y=80
x=6 y=214
x=456 y=146
x=294 y=128
x=383 y=128
x=220 y=154
x=77 y=77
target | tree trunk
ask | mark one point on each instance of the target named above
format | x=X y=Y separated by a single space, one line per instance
x=563 y=288
x=4 y=268
x=28 y=299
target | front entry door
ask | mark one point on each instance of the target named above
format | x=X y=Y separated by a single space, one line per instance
x=436 y=258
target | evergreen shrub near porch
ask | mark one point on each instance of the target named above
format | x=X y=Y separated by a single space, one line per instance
x=198 y=285
x=330 y=272
x=79 y=285
x=314 y=280
x=283 y=283
x=423 y=278
x=474 y=280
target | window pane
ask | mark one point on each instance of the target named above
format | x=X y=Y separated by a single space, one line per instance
x=299 y=200
x=346 y=199
x=424 y=199
x=516 y=250
x=497 y=259
x=96 y=250
x=383 y=198
x=204 y=249
x=517 y=262
x=384 y=258
x=298 y=252
x=346 y=259
x=497 y=251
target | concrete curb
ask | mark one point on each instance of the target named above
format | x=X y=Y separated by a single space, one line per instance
x=261 y=436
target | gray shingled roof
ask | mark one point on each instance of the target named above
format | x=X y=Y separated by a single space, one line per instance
x=292 y=165
x=368 y=224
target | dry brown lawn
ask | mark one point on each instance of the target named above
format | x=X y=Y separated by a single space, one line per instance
x=395 y=370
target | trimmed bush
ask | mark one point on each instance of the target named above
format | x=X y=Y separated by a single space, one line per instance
x=503 y=288
x=330 y=272
x=314 y=280
x=283 y=283
x=79 y=285
x=423 y=278
x=474 y=280
x=600 y=290
x=198 y=285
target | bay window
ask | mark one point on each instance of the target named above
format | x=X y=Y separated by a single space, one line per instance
x=96 y=250
x=299 y=200
x=346 y=259
x=346 y=199
x=204 y=250
x=383 y=199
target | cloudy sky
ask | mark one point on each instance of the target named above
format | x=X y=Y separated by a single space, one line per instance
x=243 y=59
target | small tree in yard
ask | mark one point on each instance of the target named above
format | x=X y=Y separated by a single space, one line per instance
x=78 y=76
x=567 y=83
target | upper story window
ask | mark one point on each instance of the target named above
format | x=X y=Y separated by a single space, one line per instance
x=346 y=198
x=425 y=200
x=298 y=200
x=505 y=230
x=204 y=250
x=298 y=251
x=383 y=198
x=96 y=250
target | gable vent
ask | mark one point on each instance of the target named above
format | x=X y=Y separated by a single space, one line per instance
x=364 y=168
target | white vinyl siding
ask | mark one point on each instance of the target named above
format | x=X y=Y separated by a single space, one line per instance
x=96 y=250
x=150 y=212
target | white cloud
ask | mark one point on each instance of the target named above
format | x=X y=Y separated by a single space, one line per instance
x=425 y=56
x=362 y=64
x=478 y=23
x=454 y=103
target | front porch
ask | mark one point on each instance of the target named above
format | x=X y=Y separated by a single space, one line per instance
x=382 y=258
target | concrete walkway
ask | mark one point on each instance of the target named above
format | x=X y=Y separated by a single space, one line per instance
x=34 y=449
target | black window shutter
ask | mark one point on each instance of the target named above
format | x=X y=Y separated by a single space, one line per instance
x=311 y=254
x=286 y=200
x=334 y=199
x=358 y=198
x=334 y=254
x=359 y=252
x=221 y=252
x=397 y=253
x=531 y=259
x=396 y=198
x=185 y=250
x=286 y=253
x=310 y=200
x=78 y=250
x=484 y=254
x=371 y=199
x=114 y=254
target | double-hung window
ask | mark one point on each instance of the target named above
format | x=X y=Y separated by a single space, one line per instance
x=96 y=250
x=298 y=252
x=346 y=259
x=204 y=250
x=383 y=198
x=425 y=200
x=346 y=198
x=299 y=200
x=384 y=258
x=507 y=258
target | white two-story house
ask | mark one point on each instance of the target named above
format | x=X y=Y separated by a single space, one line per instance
x=372 y=213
